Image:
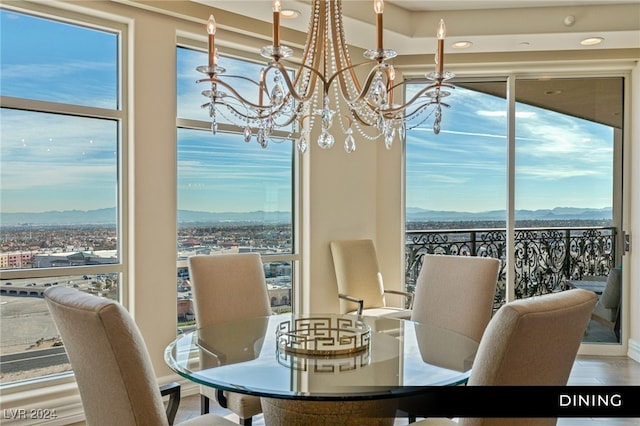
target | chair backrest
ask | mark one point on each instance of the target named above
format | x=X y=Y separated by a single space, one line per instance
x=227 y=287
x=109 y=358
x=456 y=292
x=357 y=273
x=610 y=298
x=531 y=342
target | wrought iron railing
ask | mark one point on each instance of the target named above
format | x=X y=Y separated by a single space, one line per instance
x=545 y=258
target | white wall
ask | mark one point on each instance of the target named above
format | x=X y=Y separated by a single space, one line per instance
x=633 y=261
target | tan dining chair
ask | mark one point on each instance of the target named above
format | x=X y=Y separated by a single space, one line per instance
x=227 y=287
x=360 y=285
x=456 y=293
x=528 y=342
x=609 y=291
x=607 y=310
x=111 y=364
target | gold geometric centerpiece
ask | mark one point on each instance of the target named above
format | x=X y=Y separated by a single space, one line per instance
x=329 y=336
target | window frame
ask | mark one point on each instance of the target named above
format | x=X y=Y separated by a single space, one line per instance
x=187 y=123
x=120 y=115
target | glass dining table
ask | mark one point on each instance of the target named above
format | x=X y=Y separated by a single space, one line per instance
x=300 y=365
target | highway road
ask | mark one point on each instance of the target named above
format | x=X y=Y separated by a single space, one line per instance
x=40 y=358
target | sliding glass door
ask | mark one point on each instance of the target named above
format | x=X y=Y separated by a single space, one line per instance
x=563 y=168
x=568 y=191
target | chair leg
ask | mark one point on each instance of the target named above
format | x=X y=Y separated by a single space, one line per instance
x=204 y=404
x=246 y=422
x=411 y=418
x=222 y=400
x=173 y=391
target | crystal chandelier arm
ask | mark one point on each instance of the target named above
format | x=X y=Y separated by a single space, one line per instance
x=260 y=111
x=249 y=117
x=235 y=94
x=305 y=97
x=358 y=118
x=406 y=105
x=362 y=94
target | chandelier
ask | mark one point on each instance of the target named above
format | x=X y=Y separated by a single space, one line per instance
x=324 y=87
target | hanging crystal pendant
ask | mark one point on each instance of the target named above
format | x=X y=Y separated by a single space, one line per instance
x=381 y=123
x=247 y=134
x=325 y=140
x=388 y=137
x=436 y=121
x=326 y=114
x=302 y=145
x=402 y=131
x=277 y=94
x=302 y=141
x=261 y=138
x=267 y=126
x=214 y=126
x=378 y=91
x=349 y=142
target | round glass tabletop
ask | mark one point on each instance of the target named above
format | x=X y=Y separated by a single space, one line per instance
x=398 y=358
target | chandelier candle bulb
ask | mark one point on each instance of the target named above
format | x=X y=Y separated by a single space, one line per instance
x=211 y=30
x=440 y=58
x=277 y=8
x=378 y=7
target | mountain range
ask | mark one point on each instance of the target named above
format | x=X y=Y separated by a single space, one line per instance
x=190 y=217
x=415 y=214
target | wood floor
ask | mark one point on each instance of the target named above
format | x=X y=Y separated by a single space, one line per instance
x=588 y=370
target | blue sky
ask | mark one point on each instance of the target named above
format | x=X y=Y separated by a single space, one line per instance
x=55 y=163
x=561 y=161
x=221 y=172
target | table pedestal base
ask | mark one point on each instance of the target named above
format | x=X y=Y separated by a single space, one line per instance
x=285 y=412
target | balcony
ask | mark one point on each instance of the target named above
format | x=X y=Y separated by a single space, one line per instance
x=545 y=258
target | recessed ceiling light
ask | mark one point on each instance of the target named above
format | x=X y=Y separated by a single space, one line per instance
x=591 y=41
x=289 y=13
x=461 y=44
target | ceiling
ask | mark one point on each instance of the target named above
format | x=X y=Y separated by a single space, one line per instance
x=491 y=26
x=496 y=26
x=595 y=99
x=422 y=5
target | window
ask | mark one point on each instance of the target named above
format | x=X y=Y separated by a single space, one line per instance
x=233 y=196
x=567 y=184
x=62 y=126
x=455 y=181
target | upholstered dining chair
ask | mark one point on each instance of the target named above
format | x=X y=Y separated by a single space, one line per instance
x=227 y=287
x=607 y=310
x=360 y=284
x=111 y=364
x=528 y=342
x=456 y=292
